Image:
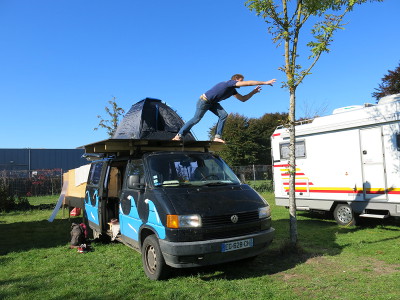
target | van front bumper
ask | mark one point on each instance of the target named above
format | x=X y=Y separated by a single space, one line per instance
x=203 y=253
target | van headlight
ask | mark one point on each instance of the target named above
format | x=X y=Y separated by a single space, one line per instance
x=183 y=221
x=264 y=212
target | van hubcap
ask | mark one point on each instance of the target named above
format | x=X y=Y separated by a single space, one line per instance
x=151 y=259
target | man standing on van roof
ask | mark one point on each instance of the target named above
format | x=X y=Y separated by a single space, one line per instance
x=210 y=101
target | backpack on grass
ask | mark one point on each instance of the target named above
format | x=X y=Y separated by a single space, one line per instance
x=78 y=234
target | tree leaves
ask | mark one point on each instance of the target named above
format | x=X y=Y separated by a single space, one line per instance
x=248 y=139
x=114 y=112
x=390 y=84
x=286 y=19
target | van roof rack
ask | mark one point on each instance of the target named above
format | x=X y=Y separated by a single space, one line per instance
x=132 y=146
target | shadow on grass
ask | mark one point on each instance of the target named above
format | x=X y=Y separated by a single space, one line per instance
x=316 y=238
x=361 y=222
x=272 y=262
x=316 y=235
x=23 y=236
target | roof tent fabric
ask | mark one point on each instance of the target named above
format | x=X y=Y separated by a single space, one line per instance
x=150 y=119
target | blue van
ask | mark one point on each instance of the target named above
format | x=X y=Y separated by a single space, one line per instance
x=178 y=204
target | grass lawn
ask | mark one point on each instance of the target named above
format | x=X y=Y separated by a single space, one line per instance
x=336 y=263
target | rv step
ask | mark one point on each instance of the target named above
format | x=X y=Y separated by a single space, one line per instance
x=374 y=216
x=302 y=208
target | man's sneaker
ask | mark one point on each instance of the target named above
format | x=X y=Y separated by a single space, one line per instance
x=82 y=248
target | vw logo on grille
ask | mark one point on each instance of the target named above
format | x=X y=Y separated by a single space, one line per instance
x=234 y=218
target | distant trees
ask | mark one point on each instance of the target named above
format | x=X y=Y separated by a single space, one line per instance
x=114 y=113
x=390 y=84
x=249 y=138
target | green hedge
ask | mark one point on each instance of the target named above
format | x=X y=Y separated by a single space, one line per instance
x=9 y=202
x=262 y=185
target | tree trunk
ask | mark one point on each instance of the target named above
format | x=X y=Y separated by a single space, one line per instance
x=292 y=169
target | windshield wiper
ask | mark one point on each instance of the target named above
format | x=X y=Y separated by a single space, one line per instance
x=217 y=183
x=175 y=183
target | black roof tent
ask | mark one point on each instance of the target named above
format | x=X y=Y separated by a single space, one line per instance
x=150 y=119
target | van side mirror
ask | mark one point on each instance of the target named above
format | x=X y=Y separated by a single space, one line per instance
x=134 y=182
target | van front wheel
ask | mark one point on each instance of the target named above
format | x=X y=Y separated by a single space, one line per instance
x=344 y=215
x=153 y=261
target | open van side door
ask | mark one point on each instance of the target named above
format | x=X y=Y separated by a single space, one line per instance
x=94 y=195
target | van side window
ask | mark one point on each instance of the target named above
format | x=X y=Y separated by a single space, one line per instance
x=136 y=168
x=95 y=173
x=300 y=149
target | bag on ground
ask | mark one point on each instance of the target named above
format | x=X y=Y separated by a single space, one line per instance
x=77 y=235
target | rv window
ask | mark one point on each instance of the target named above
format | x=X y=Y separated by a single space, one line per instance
x=300 y=149
x=95 y=173
x=398 y=141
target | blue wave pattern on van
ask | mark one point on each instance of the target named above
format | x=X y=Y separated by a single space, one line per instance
x=130 y=224
x=92 y=211
x=154 y=219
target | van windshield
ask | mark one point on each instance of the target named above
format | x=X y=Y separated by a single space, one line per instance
x=172 y=169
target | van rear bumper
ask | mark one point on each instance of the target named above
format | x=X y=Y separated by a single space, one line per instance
x=203 y=253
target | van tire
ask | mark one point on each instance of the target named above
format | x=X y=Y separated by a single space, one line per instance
x=153 y=261
x=344 y=215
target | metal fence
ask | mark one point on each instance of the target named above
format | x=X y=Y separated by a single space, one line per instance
x=253 y=172
x=27 y=183
x=32 y=183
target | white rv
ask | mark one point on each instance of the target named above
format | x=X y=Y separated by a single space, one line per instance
x=347 y=163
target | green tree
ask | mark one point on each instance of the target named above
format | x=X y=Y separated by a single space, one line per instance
x=260 y=131
x=286 y=19
x=249 y=138
x=239 y=151
x=390 y=84
x=114 y=113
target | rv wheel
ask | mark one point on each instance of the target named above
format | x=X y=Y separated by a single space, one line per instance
x=344 y=215
x=153 y=260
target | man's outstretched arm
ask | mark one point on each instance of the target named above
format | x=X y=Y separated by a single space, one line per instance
x=253 y=92
x=255 y=82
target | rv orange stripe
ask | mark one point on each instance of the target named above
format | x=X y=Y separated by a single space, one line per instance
x=394 y=192
x=338 y=191
x=335 y=191
x=325 y=191
x=297 y=174
x=299 y=183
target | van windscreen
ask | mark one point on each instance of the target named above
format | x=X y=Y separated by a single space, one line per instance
x=171 y=169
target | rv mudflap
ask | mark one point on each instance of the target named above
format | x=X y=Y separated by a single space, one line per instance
x=210 y=252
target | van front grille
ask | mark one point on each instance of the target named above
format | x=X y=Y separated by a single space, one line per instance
x=230 y=232
x=242 y=218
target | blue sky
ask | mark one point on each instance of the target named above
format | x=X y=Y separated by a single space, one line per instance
x=62 y=61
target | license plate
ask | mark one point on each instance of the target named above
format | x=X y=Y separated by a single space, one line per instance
x=236 y=245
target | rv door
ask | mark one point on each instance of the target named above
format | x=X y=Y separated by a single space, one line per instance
x=373 y=164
